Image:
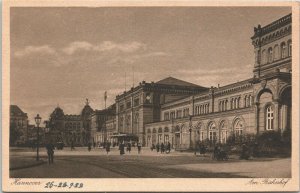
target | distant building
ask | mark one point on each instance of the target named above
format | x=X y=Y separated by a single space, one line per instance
x=141 y=105
x=18 y=126
x=70 y=129
x=103 y=124
x=251 y=106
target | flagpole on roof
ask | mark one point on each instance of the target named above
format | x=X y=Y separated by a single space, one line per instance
x=105 y=97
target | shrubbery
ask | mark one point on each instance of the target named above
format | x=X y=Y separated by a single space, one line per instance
x=267 y=144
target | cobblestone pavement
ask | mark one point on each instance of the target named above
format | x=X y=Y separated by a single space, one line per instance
x=97 y=164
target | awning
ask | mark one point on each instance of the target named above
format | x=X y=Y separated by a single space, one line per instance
x=124 y=136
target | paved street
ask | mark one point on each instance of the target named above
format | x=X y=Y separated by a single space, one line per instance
x=96 y=164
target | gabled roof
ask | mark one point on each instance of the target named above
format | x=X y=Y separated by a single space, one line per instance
x=15 y=110
x=174 y=81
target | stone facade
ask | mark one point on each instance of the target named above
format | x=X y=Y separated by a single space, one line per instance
x=70 y=129
x=252 y=106
x=103 y=124
x=18 y=126
x=141 y=105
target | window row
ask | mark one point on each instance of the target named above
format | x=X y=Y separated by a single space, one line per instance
x=248 y=101
x=136 y=102
x=202 y=109
x=235 y=103
x=223 y=105
x=176 y=114
x=277 y=52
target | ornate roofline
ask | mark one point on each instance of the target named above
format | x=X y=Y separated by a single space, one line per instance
x=260 y=31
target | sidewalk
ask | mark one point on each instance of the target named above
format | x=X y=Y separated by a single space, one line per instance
x=17 y=162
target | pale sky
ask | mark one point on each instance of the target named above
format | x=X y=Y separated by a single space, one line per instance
x=64 y=55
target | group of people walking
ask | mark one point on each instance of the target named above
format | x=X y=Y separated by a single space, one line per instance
x=128 y=146
x=163 y=148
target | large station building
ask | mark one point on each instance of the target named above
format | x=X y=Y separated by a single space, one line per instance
x=182 y=113
x=254 y=105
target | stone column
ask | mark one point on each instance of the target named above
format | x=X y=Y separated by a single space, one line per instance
x=276 y=115
x=257 y=117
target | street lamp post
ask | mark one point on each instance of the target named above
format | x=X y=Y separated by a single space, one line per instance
x=37 y=121
x=190 y=130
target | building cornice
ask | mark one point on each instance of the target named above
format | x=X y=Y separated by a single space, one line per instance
x=260 y=31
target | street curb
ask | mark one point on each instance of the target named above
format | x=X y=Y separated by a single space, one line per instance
x=27 y=166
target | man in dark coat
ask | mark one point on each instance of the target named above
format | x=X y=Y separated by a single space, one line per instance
x=121 y=148
x=169 y=147
x=157 y=147
x=162 y=148
x=107 y=148
x=129 y=147
x=50 y=152
x=89 y=146
x=139 y=147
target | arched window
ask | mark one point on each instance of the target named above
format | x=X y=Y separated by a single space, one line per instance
x=276 y=52
x=212 y=132
x=289 y=48
x=270 y=55
x=238 y=127
x=269 y=118
x=166 y=130
x=283 y=50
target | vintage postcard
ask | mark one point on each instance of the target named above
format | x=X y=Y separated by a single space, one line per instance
x=150 y=96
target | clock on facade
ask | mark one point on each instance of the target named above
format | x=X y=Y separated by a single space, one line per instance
x=148 y=98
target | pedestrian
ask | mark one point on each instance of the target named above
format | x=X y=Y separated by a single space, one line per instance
x=245 y=152
x=72 y=146
x=216 y=152
x=153 y=147
x=107 y=148
x=89 y=146
x=139 y=147
x=157 y=147
x=162 y=148
x=121 y=148
x=129 y=147
x=169 y=147
x=50 y=152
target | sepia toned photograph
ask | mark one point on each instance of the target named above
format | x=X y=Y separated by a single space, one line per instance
x=108 y=93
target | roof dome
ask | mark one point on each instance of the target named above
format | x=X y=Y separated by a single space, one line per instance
x=87 y=110
x=58 y=113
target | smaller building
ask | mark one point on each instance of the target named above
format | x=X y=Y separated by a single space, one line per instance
x=18 y=126
x=70 y=128
x=103 y=124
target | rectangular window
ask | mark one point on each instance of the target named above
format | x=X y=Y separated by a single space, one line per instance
x=166 y=116
x=178 y=114
x=128 y=105
x=172 y=115
x=121 y=107
x=136 y=102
